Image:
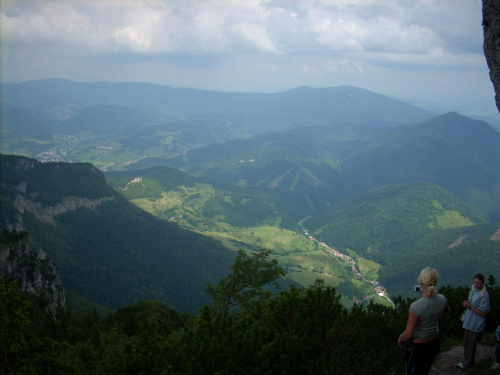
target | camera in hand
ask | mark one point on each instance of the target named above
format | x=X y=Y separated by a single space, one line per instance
x=417 y=288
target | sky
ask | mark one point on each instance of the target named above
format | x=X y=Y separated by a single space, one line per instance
x=426 y=52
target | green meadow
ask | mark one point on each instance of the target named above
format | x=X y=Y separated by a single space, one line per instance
x=303 y=259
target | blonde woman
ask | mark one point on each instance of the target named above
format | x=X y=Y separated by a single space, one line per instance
x=422 y=328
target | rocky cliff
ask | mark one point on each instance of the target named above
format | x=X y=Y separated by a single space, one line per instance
x=29 y=188
x=491 y=46
x=35 y=274
x=43 y=191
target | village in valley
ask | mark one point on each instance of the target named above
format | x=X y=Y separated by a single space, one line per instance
x=355 y=268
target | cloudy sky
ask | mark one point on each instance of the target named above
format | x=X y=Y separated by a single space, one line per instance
x=428 y=52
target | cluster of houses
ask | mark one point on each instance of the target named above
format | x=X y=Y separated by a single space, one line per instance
x=50 y=156
x=356 y=270
x=177 y=216
x=58 y=154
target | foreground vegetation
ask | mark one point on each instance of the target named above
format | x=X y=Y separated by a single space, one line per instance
x=248 y=329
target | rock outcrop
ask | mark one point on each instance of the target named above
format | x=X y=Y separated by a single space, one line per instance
x=491 y=46
x=35 y=274
x=26 y=191
x=47 y=214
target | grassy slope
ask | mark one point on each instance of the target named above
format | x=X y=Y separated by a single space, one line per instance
x=303 y=259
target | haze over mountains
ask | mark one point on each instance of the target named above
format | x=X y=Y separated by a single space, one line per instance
x=176 y=120
x=374 y=177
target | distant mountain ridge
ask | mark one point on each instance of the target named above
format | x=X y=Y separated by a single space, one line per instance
x=344 y=103
x=328 y=142
x=453 y=151
x=105 y=119
x=457 y=153
x=114 y=124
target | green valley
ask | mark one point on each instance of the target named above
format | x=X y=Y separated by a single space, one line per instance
x=243 y=220
x=377 y=230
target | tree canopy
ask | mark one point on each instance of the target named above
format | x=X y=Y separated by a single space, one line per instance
x=248 y=329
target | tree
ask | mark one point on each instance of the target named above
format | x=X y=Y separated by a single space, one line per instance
x=491 y=282
x=18 y=342
x=249 y=274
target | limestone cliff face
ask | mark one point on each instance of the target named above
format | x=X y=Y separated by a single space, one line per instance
x=35 y=274
x=491 y=46
x=27 y=200
x=44 y=191
x=47 y=214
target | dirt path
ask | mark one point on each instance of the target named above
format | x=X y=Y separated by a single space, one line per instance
x=445 y=362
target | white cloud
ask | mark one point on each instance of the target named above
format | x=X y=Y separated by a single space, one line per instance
x=344 y=65
x=263 y=43
x=194 y=27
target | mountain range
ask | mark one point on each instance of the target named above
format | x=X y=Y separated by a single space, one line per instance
x=302 y=172
x=330 y=163
x=133 y=120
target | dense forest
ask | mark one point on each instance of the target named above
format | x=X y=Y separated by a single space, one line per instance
x=247 y=329
x=107 y=250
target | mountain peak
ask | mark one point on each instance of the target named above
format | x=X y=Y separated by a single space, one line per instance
x=455 y=120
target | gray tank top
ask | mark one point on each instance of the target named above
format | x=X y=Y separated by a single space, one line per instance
x=428 y=310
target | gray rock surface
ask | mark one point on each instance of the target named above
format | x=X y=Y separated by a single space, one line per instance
x=35 y=274
x=491 y=46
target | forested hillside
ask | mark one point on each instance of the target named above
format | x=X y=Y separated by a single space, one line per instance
x=331 y=163
x=390 y=217
x=106 y=249
x=295 y=330
x=408 y=227
x=456 y=252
